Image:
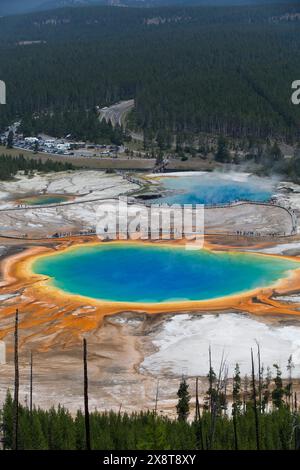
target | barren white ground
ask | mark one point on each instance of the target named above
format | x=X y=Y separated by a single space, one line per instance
x=90 y=188
x=184 y=341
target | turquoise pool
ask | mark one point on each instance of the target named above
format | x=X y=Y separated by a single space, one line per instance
x=43 y=200
x=152 y=273
x=211 y=188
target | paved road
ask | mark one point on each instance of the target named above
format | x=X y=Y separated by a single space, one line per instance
x=116 y=112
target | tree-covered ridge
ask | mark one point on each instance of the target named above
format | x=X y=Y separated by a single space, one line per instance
x=9 y=7
x=214 y=70
x=9 y=166
x=96 y=21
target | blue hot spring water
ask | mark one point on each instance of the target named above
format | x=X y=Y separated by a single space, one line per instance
x=152 y=273
x=211 y=188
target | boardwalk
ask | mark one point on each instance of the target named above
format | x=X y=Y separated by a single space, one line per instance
x=79 y=218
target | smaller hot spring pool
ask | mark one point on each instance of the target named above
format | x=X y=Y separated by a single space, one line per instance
x=214 y=188
x=43 y=200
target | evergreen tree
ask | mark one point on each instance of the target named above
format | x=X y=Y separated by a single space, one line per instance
x=10 y=140
x=275 y=152
x=36 y=147
x=222 y=155
x=278 y=391
x=183 y=406
x=236 y=402
x=211 y=397
x=266 y=393
x=289 y=386
x=7 y=418
x=236 y=391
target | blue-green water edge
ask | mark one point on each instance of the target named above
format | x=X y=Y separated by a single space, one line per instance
x=43 y=200
x=145 y=273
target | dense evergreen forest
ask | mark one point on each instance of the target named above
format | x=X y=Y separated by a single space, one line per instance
x=13 y=7
x=9 y=166
x=216 y=70
x=81 y=124
x=259 y=414
x=57 y=429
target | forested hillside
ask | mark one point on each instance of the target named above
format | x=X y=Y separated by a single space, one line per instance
x=217 y=70
x=13 y=7
x=50 y=4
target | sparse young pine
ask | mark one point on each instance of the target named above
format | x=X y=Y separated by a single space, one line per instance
x=222 y=155
x=236 y=402
x=278 y=391
x=183 y=405
x=289 y=385
x=266 y=392
x=236 y=391
x=10 y=140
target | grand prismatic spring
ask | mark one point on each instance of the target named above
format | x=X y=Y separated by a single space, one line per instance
x=152 y=274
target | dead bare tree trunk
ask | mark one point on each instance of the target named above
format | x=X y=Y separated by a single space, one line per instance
x=86 y=399
x=16 y=389
x=211 y=407
x=199 y=431
x=259 y=377
x=236 y=442
x=156 y=397
x=255 y=402
x=216 y=402
x=31 y=379
x=197 y=411
x=210 y=381
x=225 y=384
